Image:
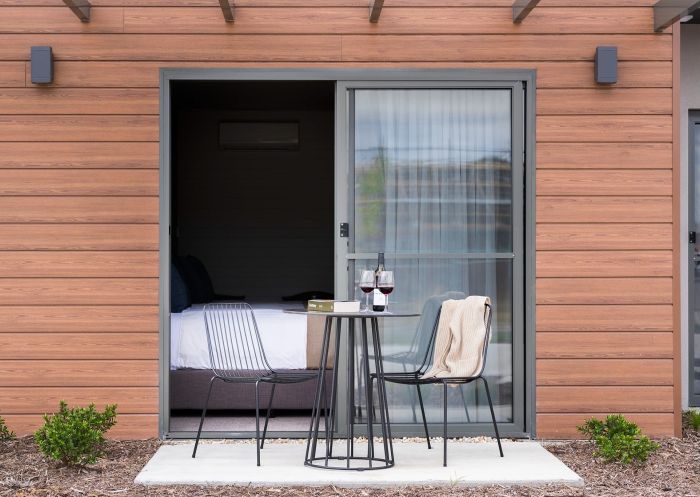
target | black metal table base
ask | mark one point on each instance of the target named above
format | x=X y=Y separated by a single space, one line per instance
x=377 y=455
x=341 y=463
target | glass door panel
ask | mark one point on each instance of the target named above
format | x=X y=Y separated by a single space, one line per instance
x=694 y=262
x=432 y=184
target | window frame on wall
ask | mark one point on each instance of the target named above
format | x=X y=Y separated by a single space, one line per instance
x=477 y=77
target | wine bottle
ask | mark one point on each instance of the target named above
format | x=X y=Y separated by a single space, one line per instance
x=378 y=298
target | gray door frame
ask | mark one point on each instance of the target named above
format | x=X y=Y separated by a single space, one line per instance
x=693 y=225
x=526 y=77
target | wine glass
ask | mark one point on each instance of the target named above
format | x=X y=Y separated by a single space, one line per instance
x=367 y=285
x=385 y=284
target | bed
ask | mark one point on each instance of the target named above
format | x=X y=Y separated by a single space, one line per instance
x=189 y=341
x=291 y=342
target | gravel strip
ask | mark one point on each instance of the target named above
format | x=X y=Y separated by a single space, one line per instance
x=672 y=471
x=301 y=441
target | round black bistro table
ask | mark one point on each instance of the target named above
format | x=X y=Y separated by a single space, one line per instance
x=369 y=333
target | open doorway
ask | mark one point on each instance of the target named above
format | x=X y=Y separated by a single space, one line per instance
x=455 y=146
x=252 y=216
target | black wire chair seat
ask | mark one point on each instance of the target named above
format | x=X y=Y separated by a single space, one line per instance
x=416 y=378
x=413 y=379
x=285 y=377
x=237 y=356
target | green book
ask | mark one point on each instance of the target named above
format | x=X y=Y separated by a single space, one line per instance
x=319 y=305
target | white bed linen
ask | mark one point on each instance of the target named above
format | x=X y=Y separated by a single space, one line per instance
x=283 y=336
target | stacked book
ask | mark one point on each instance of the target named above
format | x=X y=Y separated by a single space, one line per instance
x=318 y=305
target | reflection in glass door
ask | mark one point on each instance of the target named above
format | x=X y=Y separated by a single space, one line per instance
x=435 y=184
x=694 y=259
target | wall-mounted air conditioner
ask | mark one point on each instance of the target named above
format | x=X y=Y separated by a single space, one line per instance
x=259 y=135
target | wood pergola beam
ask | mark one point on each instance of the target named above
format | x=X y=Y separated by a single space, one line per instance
x=227 y=10
x=375 y=10
x=521 y=8
x=81 y=8
x=667 y=12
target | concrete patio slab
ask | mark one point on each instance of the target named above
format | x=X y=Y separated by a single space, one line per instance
x=469 y=464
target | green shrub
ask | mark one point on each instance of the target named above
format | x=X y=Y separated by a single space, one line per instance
x=5 y=432
x=618 y=439
x=75 y=436
x=693 y=418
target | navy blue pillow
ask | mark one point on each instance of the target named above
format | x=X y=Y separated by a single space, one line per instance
x=179 y=295
x=197 y=278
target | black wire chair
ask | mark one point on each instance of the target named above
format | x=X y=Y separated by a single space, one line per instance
x=420 y=351
x=237 y=356
x=416 y=378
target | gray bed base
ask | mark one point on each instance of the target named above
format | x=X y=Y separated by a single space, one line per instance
x=188 y=389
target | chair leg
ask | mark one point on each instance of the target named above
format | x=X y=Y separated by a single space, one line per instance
x=371 y=415
x=257 y=420
x=361 y=387
x=444 y=424
x=493 y=416
x=204 y=413
x=267 y=415
x=464 y=401
x=422 y=411
x=413 y=399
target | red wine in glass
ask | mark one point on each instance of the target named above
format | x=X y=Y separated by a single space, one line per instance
x=367 y=285
x=385 y=284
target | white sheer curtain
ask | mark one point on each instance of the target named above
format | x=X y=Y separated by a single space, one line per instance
x=443 y=160
x=433 y=189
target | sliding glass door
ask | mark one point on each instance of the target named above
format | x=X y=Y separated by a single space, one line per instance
x=433 y=177
x=694 y=259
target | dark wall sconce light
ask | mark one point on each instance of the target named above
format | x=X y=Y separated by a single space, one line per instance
x=42 y=65
x=606 y=65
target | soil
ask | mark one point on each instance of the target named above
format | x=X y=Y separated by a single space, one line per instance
x=672 y=471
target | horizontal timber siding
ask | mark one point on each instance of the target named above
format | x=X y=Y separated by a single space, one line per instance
x=78 y=373
x=80 y=318
x=79 y=185
x=129 y=426
x=77 y=345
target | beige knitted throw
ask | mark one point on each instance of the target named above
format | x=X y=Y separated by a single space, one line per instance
x=460 y=338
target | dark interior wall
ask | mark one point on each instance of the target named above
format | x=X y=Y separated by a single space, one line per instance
x=260 y=220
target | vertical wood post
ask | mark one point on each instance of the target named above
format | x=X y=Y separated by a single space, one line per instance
x=81 y=8
x=375 y=10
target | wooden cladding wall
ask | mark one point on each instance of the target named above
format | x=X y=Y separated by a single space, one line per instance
x=79 y=185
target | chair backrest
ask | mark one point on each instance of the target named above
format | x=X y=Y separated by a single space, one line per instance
x=235 y=347
x=484 y=346
x=487 y=338
x=426 y=330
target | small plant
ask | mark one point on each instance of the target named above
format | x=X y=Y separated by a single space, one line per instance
x=5 y=432
x=618 y=439
x=693 y=418
x=75 y=436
